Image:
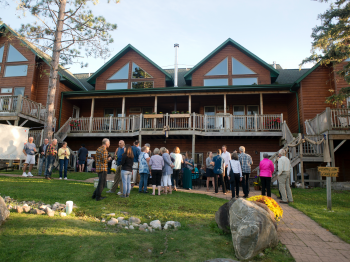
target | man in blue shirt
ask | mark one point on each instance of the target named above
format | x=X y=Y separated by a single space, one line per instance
x=118 y=178
x=135 y=166
x=219 y=170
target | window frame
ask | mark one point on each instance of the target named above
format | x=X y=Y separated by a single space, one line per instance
x=128 y=75
x=6 y=66
x=132 y=70
x=244 y=109
x=217 y=65
x=257 y=80
x=215 y=79
x=232 y=74
x=123 y=81
x=139 y=82
x=248 y=110
x=7 y=93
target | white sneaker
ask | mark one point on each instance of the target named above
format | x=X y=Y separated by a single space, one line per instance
x=60 y=178
x=24 y=174
x=119 y=193
x=65 y=178
x=30 y=174
x=109 y=191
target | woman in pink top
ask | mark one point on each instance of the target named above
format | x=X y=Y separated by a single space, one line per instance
x=266 y=170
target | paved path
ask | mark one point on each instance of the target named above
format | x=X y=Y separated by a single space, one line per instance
x=306 y=240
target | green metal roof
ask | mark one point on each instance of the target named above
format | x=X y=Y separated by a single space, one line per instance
x=273 y=72
x=189 y=89
x=92 y=79
x=65 y=75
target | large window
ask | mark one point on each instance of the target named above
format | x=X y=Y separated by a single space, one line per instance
x=6 y=90
x=138 y=72
x=18 y=70
x=14 y=55
x=19 y=91
x=117 y=86
x=216 y=82
x=245 y=81
x=140 y=85
x=1 y=53
x=239 y=69
x=220 y=69
x=122 y=73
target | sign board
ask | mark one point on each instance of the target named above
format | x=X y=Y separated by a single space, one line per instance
x=328 y=171
x=12 y=141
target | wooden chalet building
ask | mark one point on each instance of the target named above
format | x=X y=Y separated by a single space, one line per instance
x=231 y=97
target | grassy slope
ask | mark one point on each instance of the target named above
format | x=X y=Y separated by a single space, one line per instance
x=27 y=237
x=313 y=202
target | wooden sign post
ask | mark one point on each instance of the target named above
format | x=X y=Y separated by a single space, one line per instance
x=329 y=172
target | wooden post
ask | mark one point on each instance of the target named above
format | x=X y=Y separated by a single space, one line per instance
x=90 y=125
x=331 y=149
x=189 y=104
x=261 y=104
x=110 y=124
x=329 y=193
x=205 y=123
x=39 y=111
x=301 y=162
x=155 y=110
x=256 y=122
x=123 y=112
x=194 y=121
x=92 y=107
x=140 y=125
x=193 y=145
x=140 y=139
x=225 y=104
x=133 y=124
x=329 y=118
x=317 y=124
x=18 y=108
x=166 y=119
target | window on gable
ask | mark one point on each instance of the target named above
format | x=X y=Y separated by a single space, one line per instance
x=138 y=72
x=122 y=73
x=244 y=81
x=216 y=82
x=1 y=53
x=14 y=55
x=219 y=69
x=116 y=86
x=139 y=85
x=239 y=69
x=18 y=70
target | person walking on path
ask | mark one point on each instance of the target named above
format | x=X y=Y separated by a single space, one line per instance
x=156 y=163
x=167 y=171
x=82 y=154
x=284 y=178
x=101 y=168
x=63 y=156
x=235 y=174
x=29 y=151
x=177 y=167
x=187 y=172
x=118 y=177
x=144 y=169
x=136 y=151
x=266 y=168
x=210 y=169
x=42 y=156
x=227 y=157
x=219 y=171
x=51 y=153
x=127 y=164
x=246 y=163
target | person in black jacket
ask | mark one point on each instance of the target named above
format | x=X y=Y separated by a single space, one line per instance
x=127 y=162
x=42 y=156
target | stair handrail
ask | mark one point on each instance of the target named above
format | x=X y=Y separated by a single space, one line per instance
x=61 y=134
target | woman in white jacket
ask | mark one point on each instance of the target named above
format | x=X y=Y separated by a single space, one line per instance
x=235 y=174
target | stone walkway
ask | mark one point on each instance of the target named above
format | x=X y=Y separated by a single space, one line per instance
x=306 y=240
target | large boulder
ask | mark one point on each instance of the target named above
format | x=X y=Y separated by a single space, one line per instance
x=222 y=216
x=265 y=207
x=4 y=212
x=252 y=229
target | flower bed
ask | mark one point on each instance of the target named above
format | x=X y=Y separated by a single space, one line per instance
x=271 y=204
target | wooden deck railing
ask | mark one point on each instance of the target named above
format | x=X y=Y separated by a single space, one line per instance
x=330 y=119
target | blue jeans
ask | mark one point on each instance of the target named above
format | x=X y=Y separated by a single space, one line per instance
x=49 y=165
x=42 y=163
x=126 y=178
x=65 y=163
x=143 y=182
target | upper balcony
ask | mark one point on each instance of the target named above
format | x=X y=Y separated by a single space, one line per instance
x=334 y=121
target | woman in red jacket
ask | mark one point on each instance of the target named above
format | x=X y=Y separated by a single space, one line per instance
x=266 y=170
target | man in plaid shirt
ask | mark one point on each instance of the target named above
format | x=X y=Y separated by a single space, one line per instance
x=246 y=162
x=101 y=168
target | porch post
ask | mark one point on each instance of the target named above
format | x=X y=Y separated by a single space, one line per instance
x=123 y=112
x=225 y=104
x=261 y=104
x=140 y=139
x=155 y=110
x=189 y=104
x=301 y=161
x=193 y=145
x=92 y=107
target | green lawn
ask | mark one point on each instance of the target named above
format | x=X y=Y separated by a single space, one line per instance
x=313 y=202
x=79 y=237
x=55 y=174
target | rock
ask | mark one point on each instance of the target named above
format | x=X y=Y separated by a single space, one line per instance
x=172 y=224
x=9 y=207
x=4 y=212
x=120 y=218
x=125 y=213
x=112 y=222
x=126 y=228
x=156 y=224
x=37 y=211
x=124 y=222
x=25 y=205
x=145 y=224
x=150 y=229
x=222 y=216
x=111 y=215
x=19 y=209
x=42 y=207
x=131 y=227
x=265 y=207
x=135 y=225
x=134 y=220
x=142 y=228
x=51 y=213
x=103 y=220
x=63 y=214
x=252 y=229
x=26 y=208
x=221 y=260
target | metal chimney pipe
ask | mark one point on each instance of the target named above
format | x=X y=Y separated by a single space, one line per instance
x=274 y=65
x=176 y=46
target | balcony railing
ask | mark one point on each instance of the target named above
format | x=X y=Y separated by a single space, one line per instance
x=157 y=122
x=22 y=105
x=330 y=119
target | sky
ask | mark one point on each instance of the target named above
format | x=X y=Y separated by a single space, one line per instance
x=274 y=30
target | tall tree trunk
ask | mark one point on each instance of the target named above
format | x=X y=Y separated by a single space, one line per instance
x=51 y=92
